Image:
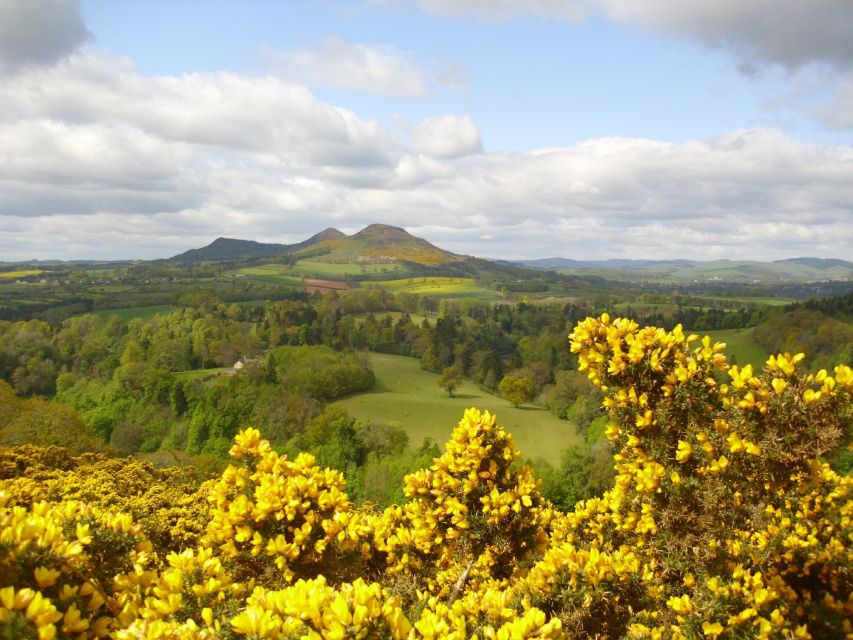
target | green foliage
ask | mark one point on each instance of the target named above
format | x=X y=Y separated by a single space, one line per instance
x=43 y=422
x=380 y=480
x=516 y=389
x=567 y=388
x=722 y=521
x=451 y=378
x=332 y=438
x=320 y=372
x=584 y=412
x=584 y=472
x=822 y=338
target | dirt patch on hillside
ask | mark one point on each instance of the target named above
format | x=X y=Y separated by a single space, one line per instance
x=315 y=285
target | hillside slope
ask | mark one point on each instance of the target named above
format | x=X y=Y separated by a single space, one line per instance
x=790 y=270
x=376 y=243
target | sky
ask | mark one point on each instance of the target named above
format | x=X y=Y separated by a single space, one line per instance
x=585 y=129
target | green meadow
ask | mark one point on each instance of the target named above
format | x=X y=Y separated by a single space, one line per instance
x=267 y=274
x=438 y=286
x=408 y=396
x=343 y=270
x=741 y=345
x=129 y=313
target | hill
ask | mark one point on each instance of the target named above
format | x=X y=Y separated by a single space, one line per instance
x=790 y=270
x=229 y=249
x=375 y=244
x=379 y=244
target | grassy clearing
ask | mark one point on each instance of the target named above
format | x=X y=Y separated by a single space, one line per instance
x=410 y=397
x=741 y=345
x=343 y=269
x=768 y=301
x=23 y=273
x=129 y=313
x=765 y=300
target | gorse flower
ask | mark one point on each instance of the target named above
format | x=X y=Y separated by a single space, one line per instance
x=722 y=522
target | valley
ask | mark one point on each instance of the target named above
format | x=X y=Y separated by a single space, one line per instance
x=408 y=397
x=176 y=355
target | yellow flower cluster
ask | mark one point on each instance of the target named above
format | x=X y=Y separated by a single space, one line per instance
x=716 y=472
x=722 y=523
x=472 y=516
x=312 y=609
x=167 y=503
x=490 y=614
x=64 y=569
x=186 y=600
x=288 y=512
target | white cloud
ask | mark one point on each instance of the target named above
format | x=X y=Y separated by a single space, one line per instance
x=792 y=33
x=448 y=136
x=413 y=171
x=222 y=110
x=50 y=167
x=810 y=40
x=500 y=9
x=451 y=75
x=39 y=32
x=838 y=112
x=97 y=160
x=637 y=198
x=378 y=69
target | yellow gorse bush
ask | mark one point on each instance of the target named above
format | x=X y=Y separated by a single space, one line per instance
x=69 y=570
x=472 y=517
x=274 y=519
x=167 y=503
x=740 y=531
x=722 y=523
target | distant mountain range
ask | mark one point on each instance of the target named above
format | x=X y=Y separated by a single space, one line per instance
x=376 y=243
x=798 y=269
x=384 y=244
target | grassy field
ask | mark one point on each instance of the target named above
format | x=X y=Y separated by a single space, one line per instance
x=342 y=270
x=438 y=287
x=758 y=300
x=267 y=274
x=14 y=275
x=129 y=313
x=114 y=288
x=740 y=343
x=409 y=396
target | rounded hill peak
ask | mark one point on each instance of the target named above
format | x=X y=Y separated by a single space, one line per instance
x=329 y=233
x=383 y=232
